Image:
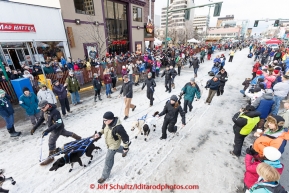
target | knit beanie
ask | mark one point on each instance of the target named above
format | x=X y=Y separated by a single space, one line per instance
x=174 y=98
x=108 y=115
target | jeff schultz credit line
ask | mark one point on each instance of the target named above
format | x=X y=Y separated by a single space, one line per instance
x=142 y=187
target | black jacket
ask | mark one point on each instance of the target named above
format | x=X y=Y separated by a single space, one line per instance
x=150 y=83
x=240 y=122
x=126 y=89
x=167 y=74
x=54 y=123
x=60 y=91
x=195 y=63
x=224 y=78
x=96 y=84
x=171 y=112
x=173 y=72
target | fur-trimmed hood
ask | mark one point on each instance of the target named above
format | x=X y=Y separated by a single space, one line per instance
x=277 y=120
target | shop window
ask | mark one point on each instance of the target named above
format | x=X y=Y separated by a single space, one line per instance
x=137 y=14
x=83 y=8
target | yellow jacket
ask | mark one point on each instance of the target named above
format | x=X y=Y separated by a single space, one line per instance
x=232 y=53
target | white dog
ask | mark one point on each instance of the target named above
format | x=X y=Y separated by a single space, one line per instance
x=144 y=125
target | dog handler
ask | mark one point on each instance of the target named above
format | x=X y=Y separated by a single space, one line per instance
x=55 y=126
x=114 y=133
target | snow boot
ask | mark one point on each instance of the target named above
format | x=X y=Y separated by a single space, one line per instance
x=95 y=99
x=13 y=133
x=101 y=180
x=76 y=137
x=48 y=159
x=3 y=190
x=99 y=98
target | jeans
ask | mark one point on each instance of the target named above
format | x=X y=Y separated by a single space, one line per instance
x=75 y=97
x=157 y=72
x=130 y=77
x=196 y=71
x=256 y=57
x=277 y=101
x=186 y=104
x=9 y=121
x=242 y=91
x=109 y=161
x=107 y=89
x=64 y=105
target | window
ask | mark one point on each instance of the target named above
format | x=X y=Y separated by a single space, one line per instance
x=82 y=7
x=137 y=14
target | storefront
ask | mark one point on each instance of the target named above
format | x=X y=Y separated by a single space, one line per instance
x=100 y=26
x=35 y=33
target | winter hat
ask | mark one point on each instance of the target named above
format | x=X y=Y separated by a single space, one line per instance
x=2 y=92
x=25 y=89
x=259 y=72
x=149 y=74
x=250 y=108
x=42 y=104
x=271 y=153
x=257 y=89
x=276 y=71
x=277 y=120
x=192 y=79
x=174 y=98
x=108 y=115
x=269 y=91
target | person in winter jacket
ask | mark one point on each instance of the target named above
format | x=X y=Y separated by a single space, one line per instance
x=273 y=135
x=96 y=82
x=55 y=126
x=174 y=74
x=107 y=81
x=123 y=71
x=7 y=113
x=269 y=79
x=268 y=181
x=232 y=53
x=223 y=79
x=245 y=121
x=61 y=92
x=271 y=157
x=213 y=86
x=281 y=90
x=195 y=63
x=46 y=94
x=168 y=79
x=171 y=111
x=179 y=62
x=48 y=69
x=246 y=85
x=29 y=102
x=73 y=87
x=223 y=60
x=190 y=90
x=127 y=92
x=114 y=133
x=264 y=105
x=285 y=114
x=202 y=55
x=150 y=83
x=256 y=67
x=113 y=78
x=259 y=74
x=26 y=74
x=253 y=94
x=136 y=72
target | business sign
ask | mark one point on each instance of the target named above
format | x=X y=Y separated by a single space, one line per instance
x=16 y=27
x=149 y=31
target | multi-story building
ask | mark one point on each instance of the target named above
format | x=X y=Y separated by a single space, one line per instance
x=222 y=19
x=200 y=22
x=223 y=33
x=176 y=19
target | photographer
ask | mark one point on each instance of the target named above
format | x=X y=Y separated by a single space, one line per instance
x=245 y=121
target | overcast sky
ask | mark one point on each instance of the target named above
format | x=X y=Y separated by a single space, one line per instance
x=242 y=9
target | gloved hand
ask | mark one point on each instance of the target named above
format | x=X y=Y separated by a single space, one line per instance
x=70 y=91
x=44 y=133
x=32 y=131
x=251 y=151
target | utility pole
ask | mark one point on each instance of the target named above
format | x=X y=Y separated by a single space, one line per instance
x=166 y=42
x=208 y=22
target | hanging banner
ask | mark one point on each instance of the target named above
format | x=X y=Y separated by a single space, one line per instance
x=16 y=27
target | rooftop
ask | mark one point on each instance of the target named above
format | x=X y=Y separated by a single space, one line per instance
x=224 y=30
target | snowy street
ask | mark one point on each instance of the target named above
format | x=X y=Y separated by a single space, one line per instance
x=199 y=155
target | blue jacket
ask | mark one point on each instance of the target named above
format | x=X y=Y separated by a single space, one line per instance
x=213 y=85
x=70 y=66
x=29 y=103
x=217 y=60
x=63 y=62
x=6 y=108
x=60 y=91
x=265 y=106
x=255 y=80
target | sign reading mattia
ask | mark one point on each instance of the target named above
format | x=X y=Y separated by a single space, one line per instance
x=16 y=27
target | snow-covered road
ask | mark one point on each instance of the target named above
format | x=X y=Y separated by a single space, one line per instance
x=198 y=156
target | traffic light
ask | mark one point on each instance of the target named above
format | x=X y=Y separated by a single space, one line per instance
x=256 y=23
x=217 y=9
x=187 y=14
x=276 y=24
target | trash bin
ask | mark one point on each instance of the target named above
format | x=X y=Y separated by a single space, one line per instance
x=19 y=84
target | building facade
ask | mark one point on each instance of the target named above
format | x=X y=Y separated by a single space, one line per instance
x=31 y=33
x=222 y=19
x=200 y=22
x=224 y=33
x=103 y=26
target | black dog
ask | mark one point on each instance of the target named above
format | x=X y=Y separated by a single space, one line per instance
x=74 y=157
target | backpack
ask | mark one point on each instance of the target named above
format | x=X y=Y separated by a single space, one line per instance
x=277 y=189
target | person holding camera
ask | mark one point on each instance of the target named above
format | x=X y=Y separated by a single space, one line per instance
x=245 y=121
